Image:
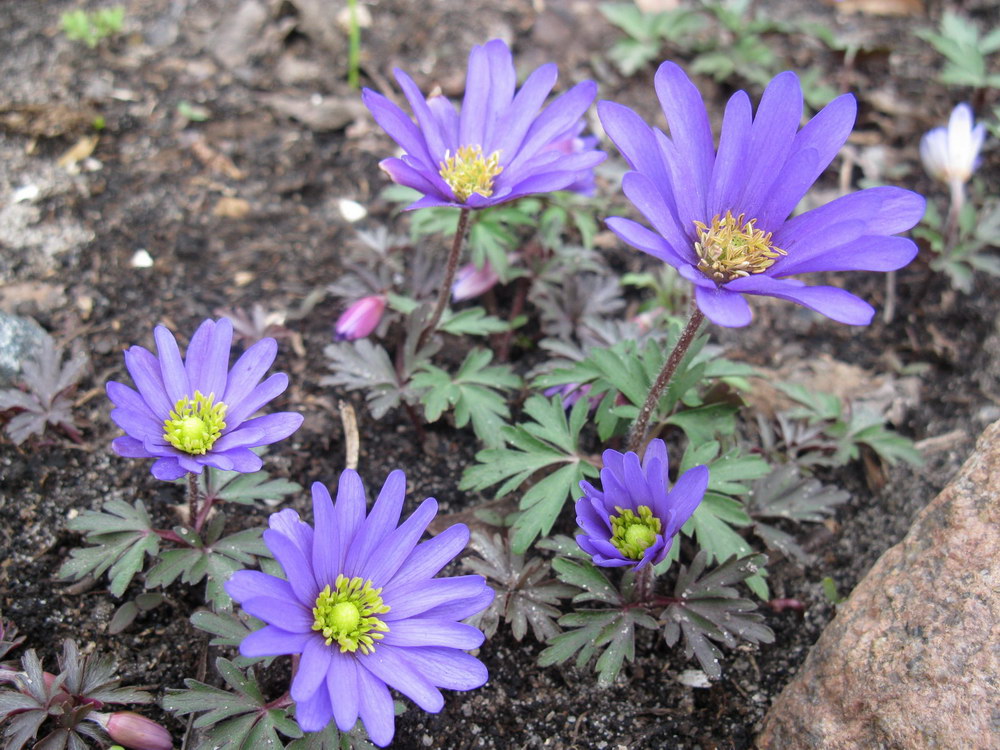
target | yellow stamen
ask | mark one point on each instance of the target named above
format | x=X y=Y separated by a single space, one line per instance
x=633 y=534
x=468 y=171
x=731 y=248
x=347 y=615
x=195 y=423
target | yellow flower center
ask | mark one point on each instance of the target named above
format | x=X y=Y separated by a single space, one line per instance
x=468 y=171
x=631 y=534
x=347 y=615
x=195 y=423
x=731 y=248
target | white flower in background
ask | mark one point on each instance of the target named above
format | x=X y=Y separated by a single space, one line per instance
x=951 y=153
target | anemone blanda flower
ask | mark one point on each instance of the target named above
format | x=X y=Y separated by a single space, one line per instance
x=360 y=319
x=633 y=518
x=721 y=216
x=499 y=147
x=951 y=154
x=362 y=607
x=196 y=412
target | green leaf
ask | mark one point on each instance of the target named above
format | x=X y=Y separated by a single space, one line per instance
x=235 y=487
x=472 y=322
x=587 y=576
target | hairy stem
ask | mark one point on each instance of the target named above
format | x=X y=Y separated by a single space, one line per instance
x=193 y=497
x=957 y=191
x=449 y=278
x=638 y=434
x=644 y=584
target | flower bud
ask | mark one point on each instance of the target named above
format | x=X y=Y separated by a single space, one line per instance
x=471 y=281
x=134 y=731
x=361 y=318
x=951 y=154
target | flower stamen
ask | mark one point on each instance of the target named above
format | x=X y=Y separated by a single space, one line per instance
x=731 y=248
x=347 y=614
x=195 y=423
x=468 y=171
x=631 y=534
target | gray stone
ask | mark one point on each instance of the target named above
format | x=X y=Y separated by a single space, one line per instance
x=20 y=339
x=912 y=659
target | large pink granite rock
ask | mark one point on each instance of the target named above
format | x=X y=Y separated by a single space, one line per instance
x=912 y=659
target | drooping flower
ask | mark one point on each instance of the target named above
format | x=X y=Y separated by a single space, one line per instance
x=499 y=147
x=633 y=518
x=471 y=281
x=721 y=215
x=362 y=607
x=360 y=318
x=951 y=154
x=196 y=412
x=134 y=730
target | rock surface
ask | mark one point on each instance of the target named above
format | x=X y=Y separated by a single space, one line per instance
x=912 y=659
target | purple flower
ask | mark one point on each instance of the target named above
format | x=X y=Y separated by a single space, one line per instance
x=360 y=319
x=721 y=215
x=471 y=281
x=362 y=607
x=633 y=519
x=197 y=412
x=951 y=154
x=499 y=147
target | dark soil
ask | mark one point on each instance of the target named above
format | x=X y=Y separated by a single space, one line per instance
x=155 y=184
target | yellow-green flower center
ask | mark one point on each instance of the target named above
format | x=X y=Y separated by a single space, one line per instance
x=347 y=615
x=731 y=248
x=631 y=534
x=195 y=423
x=468 y=171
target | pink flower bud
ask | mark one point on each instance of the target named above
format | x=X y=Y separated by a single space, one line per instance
x=361 y=318
x=134 y=731
x=471 y=281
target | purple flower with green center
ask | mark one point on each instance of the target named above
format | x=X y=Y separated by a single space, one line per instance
x=499 y=147
x=197 y=412
x=363 y=608
x=721 y=215
x=633 y=518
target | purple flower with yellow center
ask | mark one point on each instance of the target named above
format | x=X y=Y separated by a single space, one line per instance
x=721 y=215
x=633 y=518
x=363 y=608
x=499 y=147
x=196 y=412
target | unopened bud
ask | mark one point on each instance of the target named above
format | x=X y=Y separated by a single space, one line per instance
x=951 y=153
x=361 y=318
x=134 y=731
x=471 y=281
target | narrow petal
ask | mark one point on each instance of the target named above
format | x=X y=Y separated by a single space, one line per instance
x=459 y=609
x=175 y=379
x=249 y=369
x=690 y=129
x=420 y=631
x=380 y=522
x=168 y=469
x=436 y=146
x=126 y=398
x=397 y=124
x=267 y=391
x=274 y=427
x=410 y=599
x=129 y=447
x=426 y=181
x=517 y=119
x=286 y=614
x=138 y=424
x=242 y=460
x=246 y=584
x=288 y=523
x=272 y=641
x=729 y=173
x=295 y=564
x=392 y=666
x=723 y=307
x=207 y=358
x=313 y=667
x=503 y=80
x=863 y=254
x=635 y=139
x=375 y=707
x=397 y=546
x=447 y=119
x=314 y=714
x=144 y=368
x=834 y=303
x=557 y=117
x=349 y=512
x=471 y=128
x=342 y=683
x=448 y=667
x=645 y=196
x=685 y=497
x=428 y=558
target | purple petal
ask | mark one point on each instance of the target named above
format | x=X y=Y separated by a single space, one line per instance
x=447 y=119
x=242 y=460
x=634 y=138
x=723 y=306
x=397 y=124
x=296 y=565
x=207 y=358
x=271 y=427
x=380 y=522
x=375 y=707
x=144 y=368
x=503 y=80
x=690 y=131
x=168 y=469
x=410 y=599
x=392 y=666
x=327 y=555
x=175 y=379
x=248 y=370
x=138 y=424
x=557 y=117
x=595 y=523
x=645 y=196
x=863 y=254
x=272 y=641
x=729 y=174
x=522 y=111
x=282 y=613
x=436 y=146
x=342 y=683
x=429 y=557
x=129 y=447
x=459 y=609
x=349 y=512
x=834 y=303
x=313 y=668
x=448 y=667
x=656 y=450
x=314 y=714
x=472 y=129
x=270 y=389
x=398 y=545
x=687 y=493
x=641 y=238
x=420 y=631
x=247 y=584
x=288 y=523
x=126 y=398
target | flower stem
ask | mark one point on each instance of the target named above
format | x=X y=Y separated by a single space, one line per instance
x=638 y=435
x=193 y=496
x=957 y=191
x=644 y=584
x=449 y=278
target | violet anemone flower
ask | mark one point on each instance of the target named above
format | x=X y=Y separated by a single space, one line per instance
x=633 y=518
x=499 y=147
x=362 y=607
x=721 y=215
x=196 y=412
